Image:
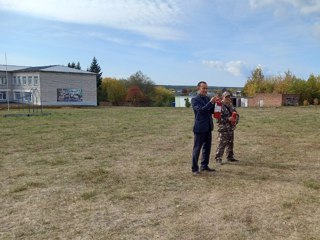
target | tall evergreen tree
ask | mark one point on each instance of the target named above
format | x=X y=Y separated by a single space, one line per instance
x=95 y=68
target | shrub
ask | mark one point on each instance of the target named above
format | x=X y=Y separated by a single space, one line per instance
x=305 y=103
x=188 y=104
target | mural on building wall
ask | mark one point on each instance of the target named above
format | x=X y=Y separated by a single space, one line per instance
x=69 y=95
x=292 y=101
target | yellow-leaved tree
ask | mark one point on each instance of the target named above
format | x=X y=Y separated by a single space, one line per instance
x=114 y=90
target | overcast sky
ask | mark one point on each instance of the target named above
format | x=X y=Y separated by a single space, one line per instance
x=177 y=42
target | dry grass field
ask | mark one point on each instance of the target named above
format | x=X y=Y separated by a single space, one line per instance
x=125 y=173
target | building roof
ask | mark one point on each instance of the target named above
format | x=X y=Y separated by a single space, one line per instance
x=10 y=68
x=51 y=68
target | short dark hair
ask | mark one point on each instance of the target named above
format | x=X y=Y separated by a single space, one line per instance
x=199 y=83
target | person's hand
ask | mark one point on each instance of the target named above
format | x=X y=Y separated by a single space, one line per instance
x=232 y=120
x=214 y=99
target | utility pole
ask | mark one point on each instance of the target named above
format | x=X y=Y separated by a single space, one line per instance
x=7 y=82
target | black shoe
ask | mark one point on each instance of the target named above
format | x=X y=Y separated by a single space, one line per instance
x=233 y=160
x=207 y=169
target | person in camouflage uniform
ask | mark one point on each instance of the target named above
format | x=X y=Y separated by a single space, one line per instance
x=226 y=127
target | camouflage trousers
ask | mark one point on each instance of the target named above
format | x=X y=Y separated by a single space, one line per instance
x=225 y=142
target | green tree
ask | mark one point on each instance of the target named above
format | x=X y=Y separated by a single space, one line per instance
x=268 y=85
x=254 y=83
x=73 y=65
x=299 y=86
x=78 y=66
x=187 y=102
x=162 y=97
x=95 y=68
x=113 y=90
x=283 y=84
x=313 y=90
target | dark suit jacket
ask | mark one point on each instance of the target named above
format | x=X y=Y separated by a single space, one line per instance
x=203 y=110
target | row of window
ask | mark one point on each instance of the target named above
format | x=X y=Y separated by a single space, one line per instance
x=17 y=96
x=22 y=96
x=24 y=80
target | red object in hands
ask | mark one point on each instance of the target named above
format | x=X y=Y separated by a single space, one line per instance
x=217 y=109
x=234 y=117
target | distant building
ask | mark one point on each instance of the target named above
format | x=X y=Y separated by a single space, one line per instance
x=47 y=85
x=273 y=100
x=180 y=101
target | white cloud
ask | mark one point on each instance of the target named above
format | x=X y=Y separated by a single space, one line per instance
x=106 y=38
x=150 y=45
x=303 y=6
x=153 y=18
x=236 y=68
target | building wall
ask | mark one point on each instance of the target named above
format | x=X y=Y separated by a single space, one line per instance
x=50 y=82
x=20 y=84
x=265 y=100
x=3 y=86
x=273 y=100
x=43 y=85
x=180 y=101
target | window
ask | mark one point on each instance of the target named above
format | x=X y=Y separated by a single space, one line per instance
x=14 y=80
x=3 y=96
x=35 y=80
x=3 y=80
x=17 y=96
x=24 y=80
x=27 y=97
x=18 y=80
x=29 y=80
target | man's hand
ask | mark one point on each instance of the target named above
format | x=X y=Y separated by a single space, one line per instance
x=214 y=99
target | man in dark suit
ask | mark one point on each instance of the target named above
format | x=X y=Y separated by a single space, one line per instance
x=203 y=108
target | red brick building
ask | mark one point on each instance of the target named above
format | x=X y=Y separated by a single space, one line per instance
x=273 y=100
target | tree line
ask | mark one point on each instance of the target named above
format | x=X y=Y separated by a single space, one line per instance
x=309 y=90
x=140 y=90
x=137 y=90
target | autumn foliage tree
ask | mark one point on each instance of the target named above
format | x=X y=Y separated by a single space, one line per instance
x=286 y=84
x=162 y=97
x=114 y=90
x=282 y=85
x=143 y=82
x=254 y=83
x=134 y=95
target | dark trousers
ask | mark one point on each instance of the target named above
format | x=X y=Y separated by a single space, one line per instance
x=201 y=141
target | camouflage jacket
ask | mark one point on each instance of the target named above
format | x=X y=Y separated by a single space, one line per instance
x=224 y=124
